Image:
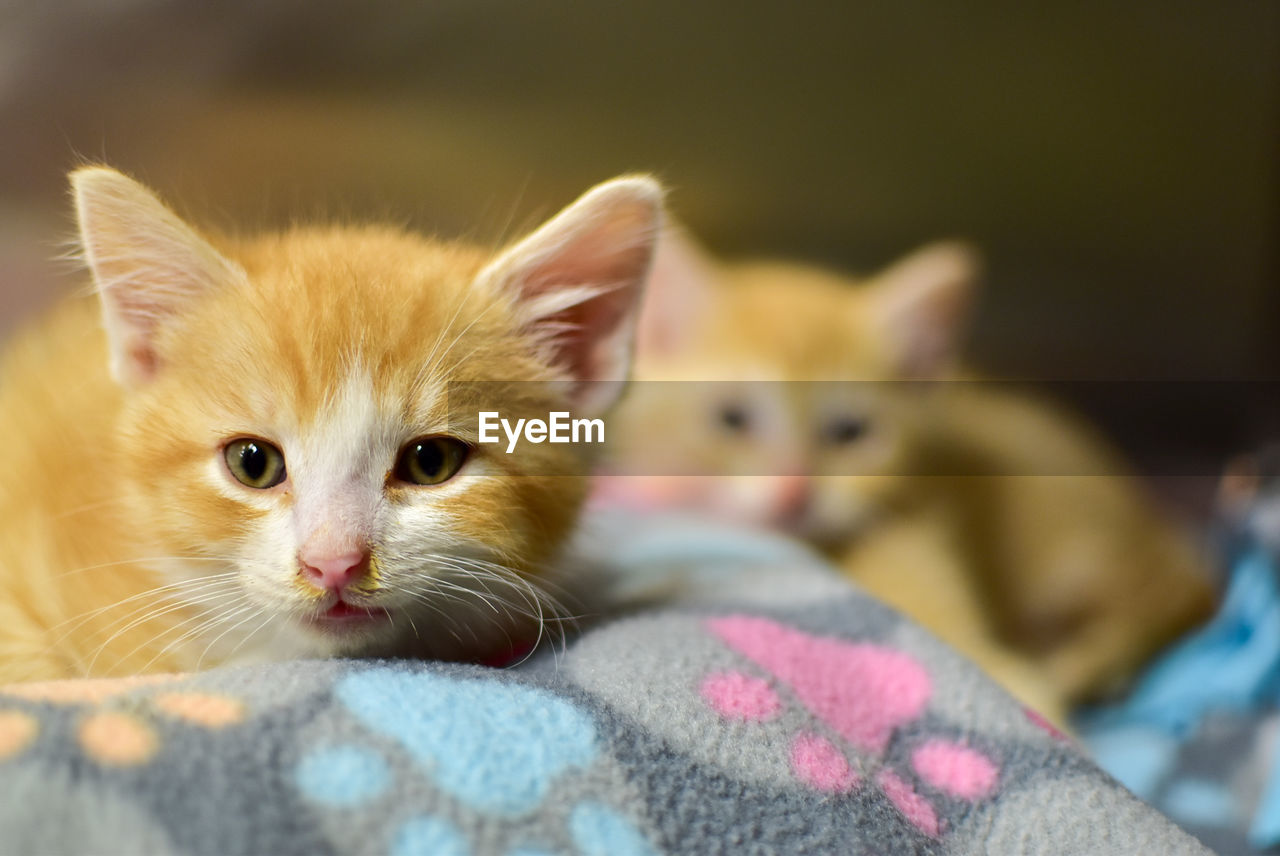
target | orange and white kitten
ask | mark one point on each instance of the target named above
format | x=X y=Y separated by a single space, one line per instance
x=995 y=519
x=246 y=449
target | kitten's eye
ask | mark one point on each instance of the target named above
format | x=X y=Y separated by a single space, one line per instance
x=255 y=463
x=430 y=460
x=734 y=418
x=845 y=429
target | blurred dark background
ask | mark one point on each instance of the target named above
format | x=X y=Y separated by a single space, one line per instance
x=1117 y=162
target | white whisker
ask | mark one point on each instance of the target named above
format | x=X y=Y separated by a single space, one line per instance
x=254 y=612
x=202 y=619
x=148 y=616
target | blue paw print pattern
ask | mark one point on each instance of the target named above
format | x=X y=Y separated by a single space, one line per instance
x=495 y=746
x=598 y=830
x=429 y=836
x=342 y=776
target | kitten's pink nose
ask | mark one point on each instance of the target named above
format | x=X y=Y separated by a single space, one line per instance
x=333 y=571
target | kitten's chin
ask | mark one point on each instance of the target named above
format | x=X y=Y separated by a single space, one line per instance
x=347 y=620
x=468 y=632
x=343 y=629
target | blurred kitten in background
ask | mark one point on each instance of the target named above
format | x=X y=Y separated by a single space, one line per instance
x=1003 y=524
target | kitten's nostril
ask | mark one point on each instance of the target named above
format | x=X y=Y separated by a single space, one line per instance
x=333 y=571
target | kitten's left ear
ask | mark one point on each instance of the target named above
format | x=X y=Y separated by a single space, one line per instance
x=577 y=282
x=146 y=262
x=680 y=297
x=920 y=306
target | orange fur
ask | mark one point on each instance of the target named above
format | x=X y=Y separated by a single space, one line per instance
x=111 y=490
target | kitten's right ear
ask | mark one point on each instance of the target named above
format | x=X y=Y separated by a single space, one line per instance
x=146 y=262
x=679 y=296
x=921 y=303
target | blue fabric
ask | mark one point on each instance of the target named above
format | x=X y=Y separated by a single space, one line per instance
x=1231 y=666
x=1265 y=829
x=1139 y=756
x=1201 y=803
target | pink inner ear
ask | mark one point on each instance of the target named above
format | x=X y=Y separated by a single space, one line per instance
x=578 y=280
x=925 y=299
x=607 y=259
x=678 y=296
x=583 y=334
x=147 y=264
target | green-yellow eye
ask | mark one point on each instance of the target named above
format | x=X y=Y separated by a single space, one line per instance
x=255 y=463
x=430 y=460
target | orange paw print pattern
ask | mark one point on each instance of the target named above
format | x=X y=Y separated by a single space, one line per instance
x=119 y=724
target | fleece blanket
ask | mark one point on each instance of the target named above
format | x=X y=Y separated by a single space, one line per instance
x=755 y=704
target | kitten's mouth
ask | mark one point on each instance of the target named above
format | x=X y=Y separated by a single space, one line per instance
x=343 y=615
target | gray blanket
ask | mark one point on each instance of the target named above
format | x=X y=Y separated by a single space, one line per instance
x=763 y=706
